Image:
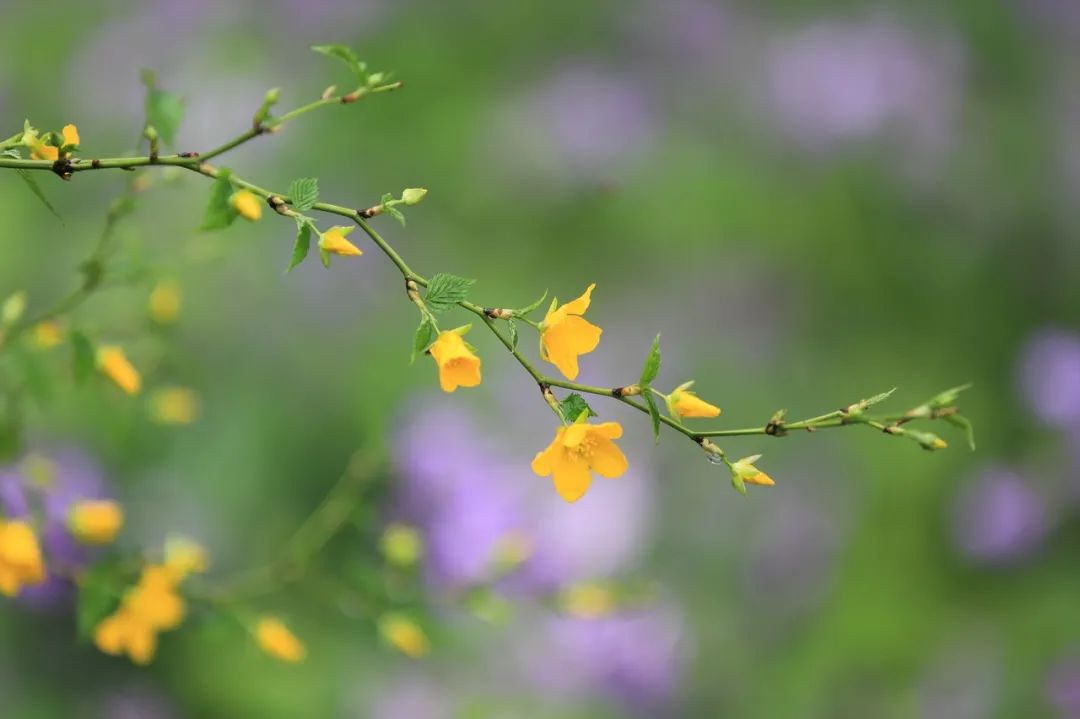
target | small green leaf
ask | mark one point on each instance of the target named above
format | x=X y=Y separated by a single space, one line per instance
x=525 y=311
x=346 y=55
x=574 y=406
x=304 y=193
x=446 y=290
x=395 y=213
x=82 y=356
x=32 y=183
x=654 y=412
x=100 y=588
x=219 y=211
x=164 y=110
x=302 y=245
x=425 y=335
x=959 y=420
x=511 y=326
x=876 y=399
x=651 y=367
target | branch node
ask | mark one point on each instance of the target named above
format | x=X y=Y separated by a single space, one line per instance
x=498 y=313
x=278 y=205
x=189 y=154
x=63 y=168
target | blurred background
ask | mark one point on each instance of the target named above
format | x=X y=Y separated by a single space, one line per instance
x=812 y=201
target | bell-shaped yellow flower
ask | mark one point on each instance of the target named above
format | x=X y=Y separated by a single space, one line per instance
x=458 y=365
x=115 y=365
x=246 y=204
x=274 y=638
x=20 y=557
x=333 y=241
x=404 y=634
x=684 y=403
x=745 y=470
x=95 y=521
x=565 y=334
x=576 y=452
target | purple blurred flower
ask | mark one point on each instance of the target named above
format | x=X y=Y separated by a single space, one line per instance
x=137 y=703
x=1062 y=686
x=1049 y=376
x=65 y=476
x=850 y=80
x=634 y=658
x=999 y=518
x=412 y=697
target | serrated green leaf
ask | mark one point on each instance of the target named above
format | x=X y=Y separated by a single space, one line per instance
x=511 y=327
x=82 y=356
x=959 y=420
x=530 y=308
x=446 y=290
x=651 y=368
x=219 y=211
x=346 y=55
x=395 y=213
x=654 y=413
x=304 y=193
x=422 y=339
x=876 y=399
x=164 y=111
x=301 y=246
x=573 y=406
x=100 y=588
x=35 y=188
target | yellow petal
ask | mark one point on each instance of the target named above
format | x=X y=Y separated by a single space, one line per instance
x=274 y=638
x=687 y=404
x=247 y=205
x=71 y=135
x=564 y=341
x=759 y=478
x=42 y=151
x=334 y=241
x=109 y=635
x=607 y=459
x=610 y=430
x=571 y=478
x=578 y=306
x=543 y=463
x=141 y=644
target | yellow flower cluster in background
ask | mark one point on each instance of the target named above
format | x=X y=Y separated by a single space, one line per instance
x=278 y=641
x=95 y=521
x=404 y=634
x=20 y=557
x=115 y=365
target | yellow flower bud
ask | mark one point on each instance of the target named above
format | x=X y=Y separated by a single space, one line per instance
x=115 y=365
x=174 y=405
x=413 y=195
x=684 y=403
x=13 y=307
x=183 y=557
x=588 y=600
x=95 y=522
x=274 y=638
x=247 y=205
x=745 y=470
x=46 y=334
x=333 y=240
x=402 y=545
x=404 y=634
x=165 y=302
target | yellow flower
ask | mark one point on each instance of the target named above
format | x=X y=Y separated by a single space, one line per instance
x=184 y=557
x=115 y=365
x=247 y=205
x=745 y=471
x=588 y=600
x=684 y=403
x=47 y=334
x=71 y=135
x=565 y=334
x=20 y=557
x=174 y=405
x=576 y=452
x=152 y=606
x=274 y=638
x=41 y=151
x=405 y=635
x=402 y=545
x=458 y=365
x=122 y=633
x=165 y=302
x=333 y=240
x=95 y=521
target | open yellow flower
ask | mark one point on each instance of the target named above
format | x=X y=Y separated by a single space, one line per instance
x=684 y=403
x=20 y=557
x=404 y=634
x=458 y=365
x=115 y=365
x=152 y=606
x=333 y=241
x=576 y=452
x=246 y=204
x=745 y=471
x=41 y=151
x=95 y=521
x=565 y=334
x=274 y=638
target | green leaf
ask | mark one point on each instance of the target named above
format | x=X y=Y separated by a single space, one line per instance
x=525 y=311
x=574 y=406
x=654 y=412
x=959 y=420
x=651 y=368
x=446 y=290
x=164 y=110
x=31 y=182
x=302 y=244
x=324 y=255
x=100 y=588
x=304 y=193
x=876 y=399
x=219 y=211
x=425 y=335
x=346 y=55
x=395 y=213
x=511 y=326
x=82 y=356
